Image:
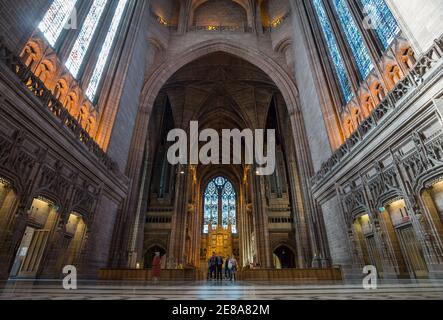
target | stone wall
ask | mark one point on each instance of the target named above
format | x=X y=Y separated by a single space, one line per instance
x=130 y=99
x=220 y=13
x=19 y=19
x=309 y=97
x=420 y=20
x=277 y=8
x=336 y=232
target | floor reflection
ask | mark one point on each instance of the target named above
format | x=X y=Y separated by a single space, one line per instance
x=92 y=290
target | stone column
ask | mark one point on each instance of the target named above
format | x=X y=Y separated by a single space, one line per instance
x=382 y=243
x=55 y=248
x=184 y=15
x=261 y=225
x=178 y=233
x=356 y=260
x=388 y=264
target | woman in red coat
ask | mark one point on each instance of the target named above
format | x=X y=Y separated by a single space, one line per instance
x=156 y=267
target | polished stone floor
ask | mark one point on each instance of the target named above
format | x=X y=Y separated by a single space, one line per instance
x=44 y=290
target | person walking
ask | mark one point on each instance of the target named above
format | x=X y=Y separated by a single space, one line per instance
x=232 y=265
x=156 y=267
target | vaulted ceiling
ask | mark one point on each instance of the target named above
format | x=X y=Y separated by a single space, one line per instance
x=220 y=91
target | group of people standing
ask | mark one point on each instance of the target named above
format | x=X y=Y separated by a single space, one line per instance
x=216 y=266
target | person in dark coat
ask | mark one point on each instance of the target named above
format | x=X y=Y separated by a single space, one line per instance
x=219 y=268
x=212 y=265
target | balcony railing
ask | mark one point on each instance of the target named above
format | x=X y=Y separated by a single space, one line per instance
x=390 y=103
x=51 y=103
x=213 y=28
x=277 y=23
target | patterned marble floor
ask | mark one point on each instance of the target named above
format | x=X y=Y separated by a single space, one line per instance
x=29 y=290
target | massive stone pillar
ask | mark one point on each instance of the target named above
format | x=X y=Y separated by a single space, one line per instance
x=261 y=224
x=176 y=248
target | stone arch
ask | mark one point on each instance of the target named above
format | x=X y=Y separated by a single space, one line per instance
x=280 y=76
x=76 y=228
x=150 y=251
x=277 y=73
x=285 y=254
x=230 y=175
x=32 y=53
x=45 y=71
x=84 y=213
x=61 y=89
x=427 y=180
x=71 y=103
x=13 y=180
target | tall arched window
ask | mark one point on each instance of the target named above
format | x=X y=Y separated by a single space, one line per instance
x=210 y=207
x=105 y=51
x=334 y=50
x=220 y=205
x=381 y=20
x=353 y=36
x=55 y=19
x=85 y=36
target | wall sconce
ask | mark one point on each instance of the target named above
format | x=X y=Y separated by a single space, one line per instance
x=276 y=22
x=162 y=21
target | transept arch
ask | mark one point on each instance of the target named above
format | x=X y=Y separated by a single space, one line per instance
x=284 y=83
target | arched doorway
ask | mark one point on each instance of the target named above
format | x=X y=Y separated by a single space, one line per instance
x=284 y=258
x=150 y=254
x=42 y=221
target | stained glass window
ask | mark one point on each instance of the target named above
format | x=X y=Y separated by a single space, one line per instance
x=380 y=18
x=56 y=19
x=106 y=49
x=334 y=50
x=354 y=38
x=210 y=207
x=84 y=39
x=220 y=197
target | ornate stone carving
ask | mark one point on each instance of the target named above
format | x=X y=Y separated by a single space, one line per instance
x=388 y=105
